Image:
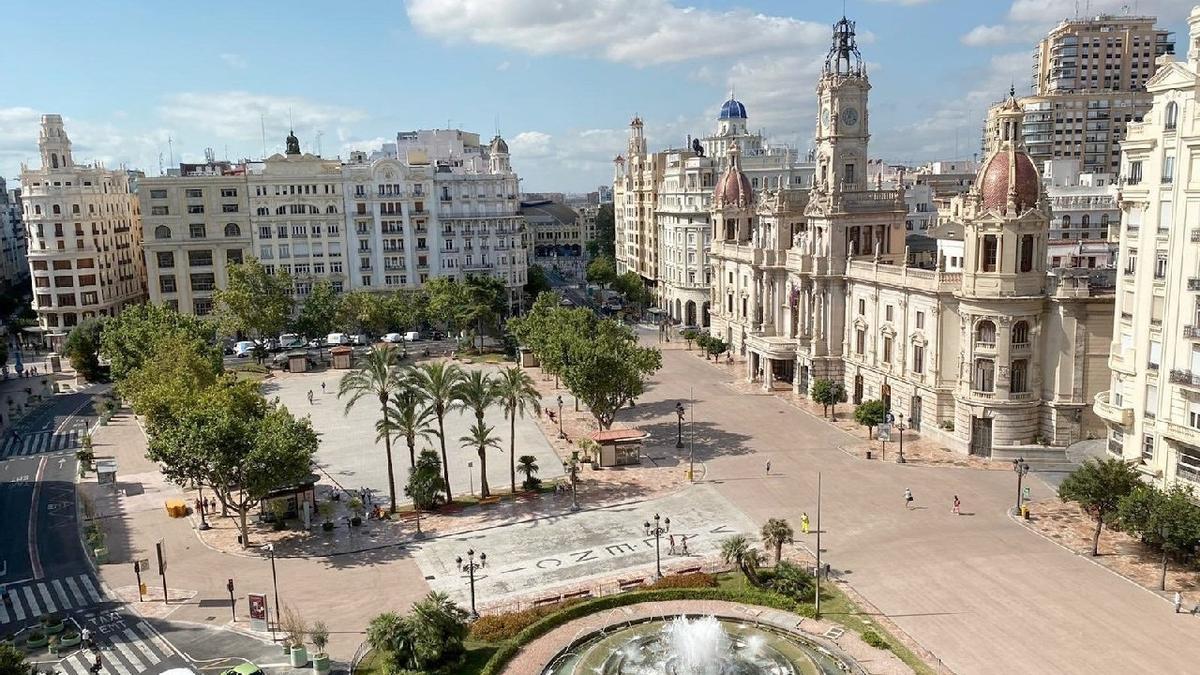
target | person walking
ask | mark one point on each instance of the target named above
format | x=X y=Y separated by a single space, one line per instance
x=804 y=523
x=957 y=505
x=671 y=545
x=768 y=467
x=310 y=397
x=1178 y=602
x=86 y=637
x=685 y=538
x=322 y=388
x=908 y=498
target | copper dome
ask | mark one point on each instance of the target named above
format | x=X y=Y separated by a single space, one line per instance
x=994 y=180
x=733 y=187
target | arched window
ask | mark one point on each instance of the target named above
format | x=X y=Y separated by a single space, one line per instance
x=264 y=211
x=1172 y=116
x=314 y=210
x=55 y=209
x=1085 y=220
x=37 y=209
x=1066 y=221
x=162 y=232
x=985 y=333
x=1020 y=333
x=232 y=230
x=331 y=209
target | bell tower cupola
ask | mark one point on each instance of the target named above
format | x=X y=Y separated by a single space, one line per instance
x=842 y=119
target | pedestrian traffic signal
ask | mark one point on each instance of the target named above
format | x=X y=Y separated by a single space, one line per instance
x=229 y=585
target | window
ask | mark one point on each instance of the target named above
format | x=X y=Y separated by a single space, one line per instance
x=233 y=256
x=232 y=230
x=1131 y=261
x=203 y=281
x=202 y=306
x=166 y=283
x=228 y=192
x=162 y=232
x=195 y=208
x=159 y=211
x=194 y=193
x=1020 y=333
x=921 y=320
x=860 y=341
x=166 y=259
x=918 y=359
x=984 y=375
x=887 y=349
x=200 y=258
x=229 y=208
x=1135 y=173
x=985 y=333
x=157 y=194
x=1160 y=266
x=848 y=174
x=197 y=230
x=862 y=307
x=1148 y=443
x=1027 y=253
x=1155 y=354
x=991 y=252
x=888 y=312
x=1171 y=118
x=1020 y=376
x=1152 y=400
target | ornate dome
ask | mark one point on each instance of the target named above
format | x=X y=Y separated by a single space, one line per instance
x=1009 y=170
x=498 y=145
x=733 y=187
x=732 y=109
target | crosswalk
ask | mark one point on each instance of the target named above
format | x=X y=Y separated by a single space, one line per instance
x=130 y=648
x=31 y=600
x=40 y=442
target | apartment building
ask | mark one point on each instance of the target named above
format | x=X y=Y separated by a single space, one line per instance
x=85 y=235
x=1152 y=406
x=1084 y=208
x=636 y=179
x=14 y=267
x=1089 y=82
x=557 y=231
x=197 y=225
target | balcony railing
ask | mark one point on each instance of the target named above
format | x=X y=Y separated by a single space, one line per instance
x=1185 y=377
x=1104 y=409
x=1196 y=234
x=1192 y=332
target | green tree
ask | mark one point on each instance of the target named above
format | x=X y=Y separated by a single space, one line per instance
x=425 y=482
x=606 y=233
x=319 y=312
x=607 y=369
x=1098 y=487
x=410 y=416
x=82 y=348
x=439 y=628
x=775 y=533
x=528 y=467
x=133 y=336
x=602 y=270
x=690 y=335
x=168 y=378
x=487 y=301
x=254 y=302
x=792 y=580
x=517 y=393
x=12 y=661
x=438 y=380
x=389 y=635
x=481 y=437
x=363 y=312
x=870 y=413
x=536 y=282
x=828 y=393
x=447 y=298
x=1167 y=519
x=377 y=376
x=633 y=289
x=714 y=346
x=405 y=310
x=737 y=551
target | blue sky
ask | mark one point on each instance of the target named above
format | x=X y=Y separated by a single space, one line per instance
x=559 y=78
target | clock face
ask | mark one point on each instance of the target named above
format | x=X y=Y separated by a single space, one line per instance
x=825 y=117
x=850 y=117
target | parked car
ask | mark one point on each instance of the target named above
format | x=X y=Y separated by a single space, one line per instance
x=243 y=349
x=291 y=341
x=360 y=340
x=336 y=339
x=244 y=669
x=437 y=335
x=412 y=336
x=392 y=338
x=316 y=343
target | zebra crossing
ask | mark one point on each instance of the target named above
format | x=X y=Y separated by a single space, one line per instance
x=29 y=601
x=39 y=442
x=128 y=649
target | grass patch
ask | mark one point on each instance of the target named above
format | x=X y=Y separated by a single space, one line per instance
x=250 y=371
x=477 y=656
x=836 y=606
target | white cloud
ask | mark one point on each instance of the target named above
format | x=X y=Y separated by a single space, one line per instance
x=982 y=36
x=531 y=144
x=233 y=60
x=240 y=115
x=639 y=32
x=503 y=66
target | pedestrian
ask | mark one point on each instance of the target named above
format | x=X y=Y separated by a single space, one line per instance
x=310 y=396
x=685 y=538
x=908 y=498
x=1178 y=602
x=768 y=467
x=957 y=506
x=86 y=637
x=322 y=388
x=98 y=665
x=199 y=507
x=212 y=505
x=671 y=543
x=804 y=523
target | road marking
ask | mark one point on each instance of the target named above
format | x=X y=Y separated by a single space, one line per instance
x=129 y=655
x=76 y=663
x=62 y=595
x=137 y=642
x=32 y=601
x=91 y=590
x=3 y=614
x=50 y=608
x=75 y=592
x=35 y=560
x=162 y=644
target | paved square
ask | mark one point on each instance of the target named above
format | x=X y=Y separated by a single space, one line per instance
x=350 y=454
x=551 y=553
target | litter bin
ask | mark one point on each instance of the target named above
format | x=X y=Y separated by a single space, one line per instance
x=1025 y=511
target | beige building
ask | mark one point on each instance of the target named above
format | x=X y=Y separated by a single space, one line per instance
x=635 y=196
x=85 y=235
x=197 y=225
x=1089 y=82
x=14 y=265
x=997 y=359
x=1153 y=404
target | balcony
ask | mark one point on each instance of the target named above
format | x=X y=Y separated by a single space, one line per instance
x=1111 y=413
x=1181 y=433
x=982 y=395
x=1193 y=283
x=1192 y=332
x=1185 y=377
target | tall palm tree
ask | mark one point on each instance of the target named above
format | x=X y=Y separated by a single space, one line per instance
x=516 y=392
x=775 y=533
x=438 y=379
x=477 y=392
x=481 y=438
x=376 y=376
x=737 y=551
x=409 y=415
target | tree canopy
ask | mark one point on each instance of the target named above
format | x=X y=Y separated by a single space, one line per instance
x=606 y=233
x=131 y=337
x=254 y=302
x=828 y=393
x=320 y=311
x=1098 y=487
x=870 y=414
x=602 y=270
x=82 y=348
x=536 y=282
x=1168 y=520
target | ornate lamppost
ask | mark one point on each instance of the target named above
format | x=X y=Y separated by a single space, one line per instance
x=470 y=567
x=657 y=531
x=900 y=429
x=560 y=426
x=1021 y=469
x=679 y=412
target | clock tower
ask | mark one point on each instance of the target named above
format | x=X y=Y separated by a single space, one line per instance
x=842 y=120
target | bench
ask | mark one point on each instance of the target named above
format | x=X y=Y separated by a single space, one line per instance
x=688 y=570
x=549 y=600
x=490 y=500
x=629 y=584
x=585 y=593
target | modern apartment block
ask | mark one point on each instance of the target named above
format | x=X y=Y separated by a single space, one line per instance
x=197 y=225
x=1089 y=82
x=85 y=235
x=14 y=245
x=1153 y=404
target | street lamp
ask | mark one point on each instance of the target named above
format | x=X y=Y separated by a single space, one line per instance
x=900 y=428
x=274 y=585
x=571 y=468
x=560 y=427
x=1021 y=469
x=470 y=567
x=657 y=531
x=680 y=412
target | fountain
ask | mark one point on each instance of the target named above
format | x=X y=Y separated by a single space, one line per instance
x=701 y=645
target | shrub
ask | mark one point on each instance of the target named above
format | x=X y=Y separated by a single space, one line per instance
x=875 y=639
x=691 y=580
x=501 y=627
x=791 y=580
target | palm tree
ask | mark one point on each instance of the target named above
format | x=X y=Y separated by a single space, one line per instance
x=737 y=551
x=476 y=391
x=775 y=533
x=481 y=438
x=516 y=392
x=437 y=380
x=376 y=376
x=529 y=467
x=409 y=415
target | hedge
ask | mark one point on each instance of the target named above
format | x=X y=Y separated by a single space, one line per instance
x=539 y=628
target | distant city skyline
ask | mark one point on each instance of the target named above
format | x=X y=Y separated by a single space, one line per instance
x=559 y=84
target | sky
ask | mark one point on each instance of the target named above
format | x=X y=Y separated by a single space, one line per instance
x=141 y=83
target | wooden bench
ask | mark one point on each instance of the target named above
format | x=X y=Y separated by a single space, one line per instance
x=688 y=570
x=549 y=600
x=585 y=593
x=629 y=584
x=490 y=500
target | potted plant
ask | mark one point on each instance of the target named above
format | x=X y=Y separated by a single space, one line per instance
x=52 y=644
x=278 y=514
x=69 y=638
x=295 y=629
x=326 y=511
x=52 y=623
x=36 y=639
x=356 y=507
x=319 y=635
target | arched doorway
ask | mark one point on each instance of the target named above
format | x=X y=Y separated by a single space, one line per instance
x=915 y=414
x=678 y=313
x=704 y=321
x=689 y=313
x=885 y=395
x=858 y=389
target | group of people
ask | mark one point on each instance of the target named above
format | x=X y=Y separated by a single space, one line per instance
x=955 y=506
x=206 y=506
x=682 y=548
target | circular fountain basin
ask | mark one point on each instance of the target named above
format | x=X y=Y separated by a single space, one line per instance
x=702 y=645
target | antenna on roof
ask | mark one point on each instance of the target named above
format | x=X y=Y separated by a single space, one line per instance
x=171 y=151
x=319 y=135
x=262 y=125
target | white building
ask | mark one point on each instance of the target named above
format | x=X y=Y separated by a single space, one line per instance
x=1084 y=208
x=14 y=266
x=85 y=235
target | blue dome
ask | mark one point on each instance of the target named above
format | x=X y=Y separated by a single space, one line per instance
x=732 y=109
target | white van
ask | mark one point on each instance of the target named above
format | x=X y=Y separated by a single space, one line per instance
x=243 y=348
x=412 y=336
x=290 y=341
x=336 y=339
